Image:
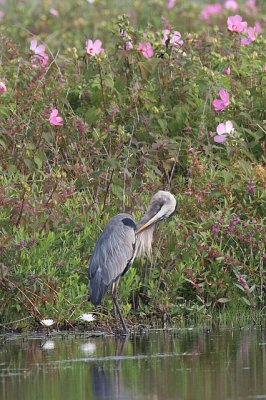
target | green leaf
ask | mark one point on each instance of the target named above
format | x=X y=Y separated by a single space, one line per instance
x=223 y=300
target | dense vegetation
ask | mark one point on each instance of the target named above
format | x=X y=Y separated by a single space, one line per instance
x=170 y=99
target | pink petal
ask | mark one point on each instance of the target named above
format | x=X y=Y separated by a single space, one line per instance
x=40 y=49
x=33 y=44
x=228 y=127
x=54 y=112
x=218 y=105
x=97 y=44
x=221 y=129
x=59 y=120
x=245 y=41
x=224 y=96
x=220 y=138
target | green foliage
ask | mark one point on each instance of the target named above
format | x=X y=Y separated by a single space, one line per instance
x=131 y=126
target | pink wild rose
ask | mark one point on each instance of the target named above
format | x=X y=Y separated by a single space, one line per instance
x=231 y=5
x=54 y=118
x=54 y=12
x=175 y=38
x=170 y=4
x=257 y=27
x=235 y=23
x=3 y=88
x=227 y=70
x=251 y=36
x=146 y=49
x=39 y=58
x=251 y=6
x=209 y=10
x=222 y=131
x=223 y=102
x=94 y=48
x=128 y=45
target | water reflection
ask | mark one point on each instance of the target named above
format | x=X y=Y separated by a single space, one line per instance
x=197 y=364
x=107 y=384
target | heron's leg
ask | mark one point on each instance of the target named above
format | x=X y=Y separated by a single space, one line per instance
x=114 y=295
x=114 y=306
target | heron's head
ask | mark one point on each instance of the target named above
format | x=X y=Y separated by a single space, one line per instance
x=162 y=206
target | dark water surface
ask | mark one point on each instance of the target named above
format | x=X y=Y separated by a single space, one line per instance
x=185 y=364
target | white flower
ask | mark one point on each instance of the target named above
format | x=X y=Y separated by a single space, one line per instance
x=47 y=322
x=88 y=317
x=88 y=348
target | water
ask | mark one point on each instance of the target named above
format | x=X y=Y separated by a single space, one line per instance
x=178 y=365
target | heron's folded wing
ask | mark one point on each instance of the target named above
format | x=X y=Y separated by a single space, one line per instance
x=114 y=250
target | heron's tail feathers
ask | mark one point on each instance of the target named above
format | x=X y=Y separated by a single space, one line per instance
x=97 y=288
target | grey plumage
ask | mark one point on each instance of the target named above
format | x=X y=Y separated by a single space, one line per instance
x=108 y=262
x=120 y=242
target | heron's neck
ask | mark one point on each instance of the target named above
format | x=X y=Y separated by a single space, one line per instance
x=144 y=238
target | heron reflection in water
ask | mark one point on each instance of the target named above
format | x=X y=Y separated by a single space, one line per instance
x=121 y=241
x=107 y=384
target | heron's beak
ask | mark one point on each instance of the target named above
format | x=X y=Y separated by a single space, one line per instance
x=156 y=218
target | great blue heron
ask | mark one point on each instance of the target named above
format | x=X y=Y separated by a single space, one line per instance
x=120 y=242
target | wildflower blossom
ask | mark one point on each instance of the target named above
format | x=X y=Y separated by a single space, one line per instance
x=251 y=187
x=170 y=4
x=54 y=118
x=251 y=6
x=87 y=317
x=3 y=88
x=242 y=280
x=47 y=322
x=39 y=58
x=174 y=38
x=227 y=70
x=54 y=12
x=235 y=24
x=250 y=36
x=231 y=5
x=223 y=102
x=128 y=45
x=94 y=48
x=222 y=131
x=209 y=10
x=146 y=49
x=257 y=27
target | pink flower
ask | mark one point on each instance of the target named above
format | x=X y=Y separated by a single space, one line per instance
x=223 y=102
x=170 y=4
x=2 y=14
x=258 y=28
x=231 y=5
x=209 y=10
x=223 y=130
x=128 y=45
x=54 y=118
x=235 y=23
x=242 y=281
x=94 y=48
x=264 y=68
x=54 y=12
x=175 y=38
x=3 y=88
x=39 y=58
x=146 y=49
x=251 y=7
x=227 y=70
x=250 y=38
